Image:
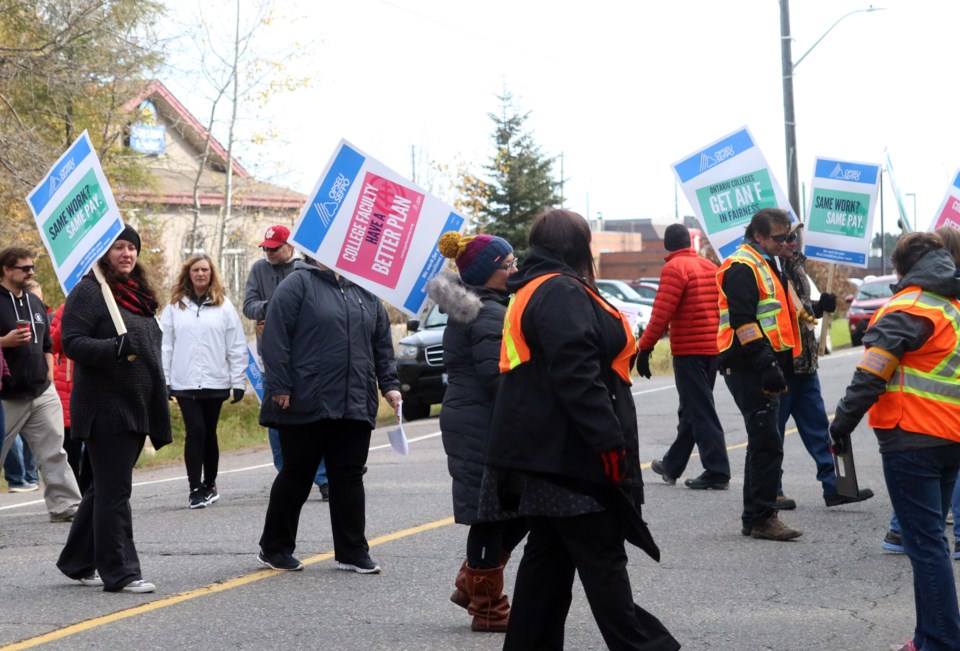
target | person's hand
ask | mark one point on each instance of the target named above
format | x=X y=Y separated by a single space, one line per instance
x=15 y=338
x=771 y=380
x=643 y=363
x=237 y=396
x=393 y=397
x=124 y=347
x=615 y=464
x=838 y=439
x=828 y=302
x=259 y=328
x=282 y=399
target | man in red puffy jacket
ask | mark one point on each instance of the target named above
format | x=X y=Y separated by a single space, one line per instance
x=687 y=302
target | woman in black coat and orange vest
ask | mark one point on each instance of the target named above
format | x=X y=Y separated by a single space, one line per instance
x=471 y=354
x=563 y=441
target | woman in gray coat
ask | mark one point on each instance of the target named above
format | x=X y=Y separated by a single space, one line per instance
x=326 y=346
x=471 y=354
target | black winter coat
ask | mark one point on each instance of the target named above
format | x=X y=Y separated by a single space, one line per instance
x=327 y=344
x=471 y=354
x=555 y=414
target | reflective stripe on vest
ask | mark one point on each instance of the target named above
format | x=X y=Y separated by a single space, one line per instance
x=923 y=395
x=778 y=324
x=514 y=350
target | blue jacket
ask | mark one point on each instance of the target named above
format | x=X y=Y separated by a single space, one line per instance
x=326 y=344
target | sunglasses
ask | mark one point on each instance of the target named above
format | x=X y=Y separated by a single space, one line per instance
x=784 y=237
x=25 y=268
x=506 y=266
x=267 y=249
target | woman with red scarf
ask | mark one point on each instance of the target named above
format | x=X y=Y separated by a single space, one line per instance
x=119 y=398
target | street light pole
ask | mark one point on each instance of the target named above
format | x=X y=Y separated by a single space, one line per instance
x=789 y=120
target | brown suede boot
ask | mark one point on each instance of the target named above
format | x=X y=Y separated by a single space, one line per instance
x=460 y=596
x=488 y=604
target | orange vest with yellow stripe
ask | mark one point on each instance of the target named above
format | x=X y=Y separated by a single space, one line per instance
x=775 y=312
x=514 y=350
x=923 y=394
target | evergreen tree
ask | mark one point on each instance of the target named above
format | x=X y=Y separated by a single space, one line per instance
x=521 y=178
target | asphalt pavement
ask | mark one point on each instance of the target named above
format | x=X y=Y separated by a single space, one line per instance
x=715 y=589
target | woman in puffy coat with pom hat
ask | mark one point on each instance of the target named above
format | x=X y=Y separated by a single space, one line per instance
x=475 y=304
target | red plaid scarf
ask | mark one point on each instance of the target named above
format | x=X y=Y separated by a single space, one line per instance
x=130 y=296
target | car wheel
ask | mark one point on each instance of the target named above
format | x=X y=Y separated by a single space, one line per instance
x=415 y=410
x=856 y=339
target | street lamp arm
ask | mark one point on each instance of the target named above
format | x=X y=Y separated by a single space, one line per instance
x=824 y=35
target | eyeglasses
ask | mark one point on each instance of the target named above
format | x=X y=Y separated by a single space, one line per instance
x=25 y=268
x=267 y=249
x=506 y=266
x=781 y=238
x=792 y=237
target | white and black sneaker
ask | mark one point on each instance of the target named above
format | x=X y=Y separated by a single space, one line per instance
x=92 y=581
x=210 y=494
x=198 y=498
x=285 y=562
x=361 y=566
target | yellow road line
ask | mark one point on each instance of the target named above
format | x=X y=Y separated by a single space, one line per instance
x=205 y=591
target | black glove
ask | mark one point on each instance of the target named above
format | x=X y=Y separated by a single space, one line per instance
x=827 y=303
x=643 y=363
x=169 y=393
x=838 y=439
x=771 y=380
x=124 y=346
x=237 y=396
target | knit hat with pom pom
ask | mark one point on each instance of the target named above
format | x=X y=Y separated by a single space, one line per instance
x=477 y=256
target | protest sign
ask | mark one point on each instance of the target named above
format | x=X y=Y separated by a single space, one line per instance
x=726 y=182
x=75 y=212
x=906 y=226
x=255 y=369
x=374 y=227
x=843 y=199
x=949 y=212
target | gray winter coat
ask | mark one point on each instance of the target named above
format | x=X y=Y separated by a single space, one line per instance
x=471 y=354
x=326 y=344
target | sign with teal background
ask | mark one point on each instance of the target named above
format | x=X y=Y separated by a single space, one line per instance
x=836 y=212
x=733 y=201
x=75 y=216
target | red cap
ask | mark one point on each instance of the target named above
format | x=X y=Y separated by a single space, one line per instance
x=275 y=236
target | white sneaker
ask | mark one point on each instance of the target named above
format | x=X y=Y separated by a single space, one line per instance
x=92 y=581
x=23 y=488
x=138 y=587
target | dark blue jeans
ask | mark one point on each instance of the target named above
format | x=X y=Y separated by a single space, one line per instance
x=699 y=425
x=920 y=484
x=804 y=402
x=764 y=459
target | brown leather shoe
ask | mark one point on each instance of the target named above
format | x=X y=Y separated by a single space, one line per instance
x=774 y=529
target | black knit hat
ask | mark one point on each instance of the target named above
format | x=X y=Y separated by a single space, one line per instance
x=676 y=237
x=129 y=234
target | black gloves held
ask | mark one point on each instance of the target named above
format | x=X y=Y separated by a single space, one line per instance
x=124 y=346
x=643 y=363
x=237 y=396
x=771 y=380
x=827 y=303
x=838 y=439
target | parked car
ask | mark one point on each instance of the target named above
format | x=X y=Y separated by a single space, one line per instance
x=873 y=293
x=423 y=377
x=638 y=313
x=622 y=291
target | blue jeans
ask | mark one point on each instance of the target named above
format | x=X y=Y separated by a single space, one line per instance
x=274 y=437
x=804 y=402
x=954 y=505
x=20 y=467
x=920 y=484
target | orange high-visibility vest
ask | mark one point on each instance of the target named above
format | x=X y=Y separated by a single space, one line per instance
x=923 y=395
x=514 y=350
x=775 y=312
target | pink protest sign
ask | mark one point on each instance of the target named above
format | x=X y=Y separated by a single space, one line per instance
x=380 y=230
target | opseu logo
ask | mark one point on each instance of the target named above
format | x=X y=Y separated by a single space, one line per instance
x=707 y=161
x=845 y=175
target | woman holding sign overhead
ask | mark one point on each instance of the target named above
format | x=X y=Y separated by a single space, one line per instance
x=326 y=347
x=119 y=398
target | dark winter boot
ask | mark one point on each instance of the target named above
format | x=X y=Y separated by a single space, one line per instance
x=460 y=596
x=488 y=604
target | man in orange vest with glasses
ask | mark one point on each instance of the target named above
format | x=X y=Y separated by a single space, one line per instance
x=758 y=339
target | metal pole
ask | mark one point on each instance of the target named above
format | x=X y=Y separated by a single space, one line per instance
x=789 y=120
x=883 y=237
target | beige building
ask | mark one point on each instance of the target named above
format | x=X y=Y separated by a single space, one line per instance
x=186 y=201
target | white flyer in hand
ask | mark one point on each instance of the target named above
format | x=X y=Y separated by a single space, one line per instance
x=396 y=436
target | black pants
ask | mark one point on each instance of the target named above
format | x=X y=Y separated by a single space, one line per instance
x=695 y=377
x=75 y=457
x=101 y=537
x=345 y=445
x=488 y=540
x=201 y=451
x=592 y=546
x=761 y=472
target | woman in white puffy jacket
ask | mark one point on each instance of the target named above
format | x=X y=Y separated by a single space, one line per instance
x=204 y=360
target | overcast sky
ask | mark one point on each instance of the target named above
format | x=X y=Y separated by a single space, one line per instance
x=621 y=89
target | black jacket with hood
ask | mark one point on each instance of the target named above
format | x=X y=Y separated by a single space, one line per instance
x=556 y=413
x=28 y=364
x=471 y=355
x=898 y=332
x=327 y=344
